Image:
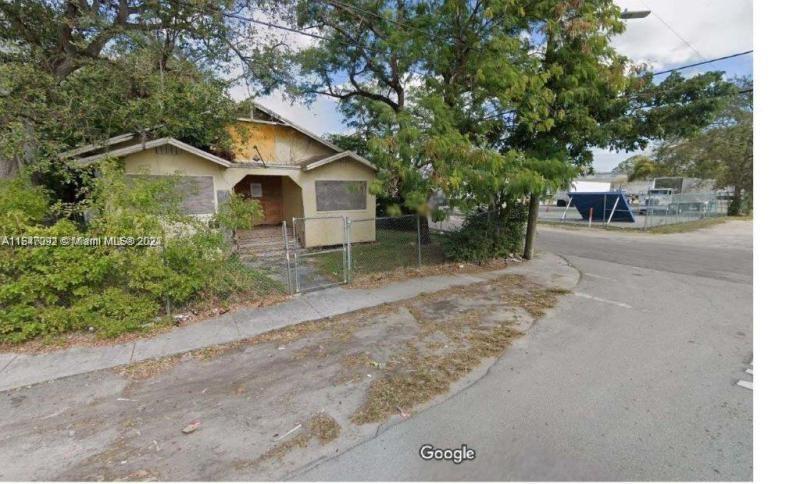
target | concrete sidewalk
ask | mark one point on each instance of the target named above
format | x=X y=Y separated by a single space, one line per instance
x=18 y=369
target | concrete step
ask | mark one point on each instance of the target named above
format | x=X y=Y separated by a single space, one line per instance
x=276 y=233
x=263 y=245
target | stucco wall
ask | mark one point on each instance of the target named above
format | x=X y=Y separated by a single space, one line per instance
x=292 y=199
x=298 y=190
x=149 y=162
x=328 y=232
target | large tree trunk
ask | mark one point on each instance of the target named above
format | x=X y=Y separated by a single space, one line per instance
x=530 y=233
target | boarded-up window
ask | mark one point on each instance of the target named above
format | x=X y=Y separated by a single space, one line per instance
x=333 y=195
x=197 y=192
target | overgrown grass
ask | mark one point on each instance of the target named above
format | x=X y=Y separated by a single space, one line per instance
x=391 y=250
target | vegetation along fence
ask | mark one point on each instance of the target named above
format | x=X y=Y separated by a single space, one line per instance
x=378 y=245
x=646 y=210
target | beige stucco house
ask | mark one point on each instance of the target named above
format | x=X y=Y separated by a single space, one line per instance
x=289 y=170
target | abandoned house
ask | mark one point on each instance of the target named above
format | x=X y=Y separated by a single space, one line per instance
x=292 y=172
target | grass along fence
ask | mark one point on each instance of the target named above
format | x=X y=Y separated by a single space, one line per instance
x=403 y=242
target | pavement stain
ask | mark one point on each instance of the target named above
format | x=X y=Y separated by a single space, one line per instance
x=339 y=377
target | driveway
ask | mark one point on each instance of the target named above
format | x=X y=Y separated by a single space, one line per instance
x=633 y=377
x=267 y=406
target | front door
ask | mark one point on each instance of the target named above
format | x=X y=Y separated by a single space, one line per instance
x=267 y=190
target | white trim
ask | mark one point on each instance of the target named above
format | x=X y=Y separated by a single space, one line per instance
x=338 y=156
x=129 y=150
x=86 y=148
x=243 y=165
x=260 y=121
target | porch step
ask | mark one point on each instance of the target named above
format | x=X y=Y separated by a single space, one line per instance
x=262 y=232
x=262 y=244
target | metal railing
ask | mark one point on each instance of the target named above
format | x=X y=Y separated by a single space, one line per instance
x=646 y=210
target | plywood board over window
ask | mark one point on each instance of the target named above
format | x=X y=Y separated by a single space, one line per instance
x=196 y=192
x=336 y=195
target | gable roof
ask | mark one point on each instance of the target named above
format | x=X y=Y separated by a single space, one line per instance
x=286 y=122
x=318 y=161
x=272 y=117
x=128 y=150
x=104 y=144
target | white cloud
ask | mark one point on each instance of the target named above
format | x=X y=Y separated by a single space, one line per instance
x=714 y=28
x=606 y=160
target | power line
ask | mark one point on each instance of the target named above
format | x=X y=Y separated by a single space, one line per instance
x=672 y=30
x=710 y=61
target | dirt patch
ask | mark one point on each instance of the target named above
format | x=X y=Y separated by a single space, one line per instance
x=321 y=427
x=354 y=367
x=466 y=336
x=149 y=368
x=413 y=377
x=324 y=428
x=378 y=279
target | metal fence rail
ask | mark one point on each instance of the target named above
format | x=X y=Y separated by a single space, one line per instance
x=647 y=211
x=311 y=266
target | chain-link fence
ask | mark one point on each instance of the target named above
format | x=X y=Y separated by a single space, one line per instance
x=396 y=244
x=645 y=210
x=317 y=252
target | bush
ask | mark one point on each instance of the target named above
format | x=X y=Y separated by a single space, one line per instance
x=487 y=235
x=53 y=289
x=238 y=213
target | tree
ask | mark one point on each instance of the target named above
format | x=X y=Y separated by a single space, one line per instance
x=62 y=36
x=421 y=82
x=723 y=151
x=131 y=94
x=598 y=99
x=639 y=167
x=79 y=71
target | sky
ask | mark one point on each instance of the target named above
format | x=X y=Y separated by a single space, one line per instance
x=676 y=33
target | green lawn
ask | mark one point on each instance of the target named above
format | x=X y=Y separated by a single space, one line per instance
x=391 y=250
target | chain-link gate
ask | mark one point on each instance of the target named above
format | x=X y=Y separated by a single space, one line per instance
x=317 y=253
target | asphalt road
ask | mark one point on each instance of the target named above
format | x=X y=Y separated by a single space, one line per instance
x=632 y=377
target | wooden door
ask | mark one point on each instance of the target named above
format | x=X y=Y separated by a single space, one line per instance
x=267 y=190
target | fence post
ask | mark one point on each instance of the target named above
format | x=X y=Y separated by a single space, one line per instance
x=419 y=242
x=164 y=262
x=296 y=276
x=286 y=255
x=349 y=254
x=644 y=227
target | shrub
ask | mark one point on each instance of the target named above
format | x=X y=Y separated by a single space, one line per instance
x=53 y=289
x=238 y=213
x=487 y=235
x=27 y=202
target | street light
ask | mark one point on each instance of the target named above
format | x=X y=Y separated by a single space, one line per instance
x=629 y=14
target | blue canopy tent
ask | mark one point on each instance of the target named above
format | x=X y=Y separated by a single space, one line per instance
x=602 y=206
